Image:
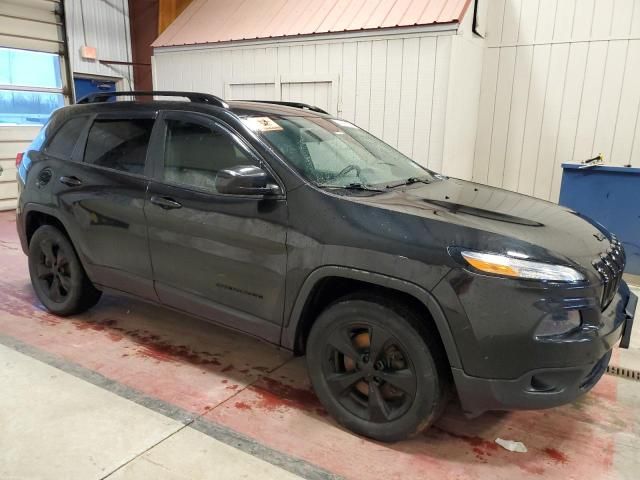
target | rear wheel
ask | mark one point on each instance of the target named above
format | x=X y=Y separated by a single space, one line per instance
x=376 y=368
x=57 y=275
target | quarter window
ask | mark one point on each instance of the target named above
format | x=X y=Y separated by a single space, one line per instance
x=119 y=144
x=65 y=139
x=194 y=154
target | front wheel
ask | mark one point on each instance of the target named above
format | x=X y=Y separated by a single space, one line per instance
x=57 y=275
x=377 y=368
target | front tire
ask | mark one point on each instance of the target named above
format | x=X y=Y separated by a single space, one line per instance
x=57 y=275
x=377 y=368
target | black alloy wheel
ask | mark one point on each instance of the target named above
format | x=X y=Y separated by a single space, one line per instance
x=377 y=367
x=57 y=275
x=369 y=373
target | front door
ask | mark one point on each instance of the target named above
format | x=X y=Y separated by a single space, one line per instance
x=219 y=256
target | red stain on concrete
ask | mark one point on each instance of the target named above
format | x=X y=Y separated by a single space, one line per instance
x=242 y=406
x=275 y=395
x=477 y=444
x=556 y=455
x=151 y=345
x=228 y=368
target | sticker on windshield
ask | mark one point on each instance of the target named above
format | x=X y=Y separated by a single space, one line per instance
x=262 y=124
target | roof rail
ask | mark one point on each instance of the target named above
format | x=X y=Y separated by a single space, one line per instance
x=101 y=97
x=304 y=106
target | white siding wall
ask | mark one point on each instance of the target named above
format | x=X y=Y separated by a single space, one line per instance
x=464 y=79
x=396 y=87
x=106 y=27
x=560 y=83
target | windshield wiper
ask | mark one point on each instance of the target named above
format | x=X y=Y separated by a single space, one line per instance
x=352 y=186
x=409 y=181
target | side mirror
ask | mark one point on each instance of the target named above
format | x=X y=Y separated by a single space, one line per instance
x=246 y=180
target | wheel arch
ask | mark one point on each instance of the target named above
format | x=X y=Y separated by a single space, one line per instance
x=35 y=218
x=36 y=215
x=303 y=313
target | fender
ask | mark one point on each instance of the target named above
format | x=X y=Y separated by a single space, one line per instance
x=290 y=328
x=21 y=222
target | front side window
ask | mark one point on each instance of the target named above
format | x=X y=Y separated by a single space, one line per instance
x=32 y=86
x=336 y=153
x=195 y=152
x=119 y=144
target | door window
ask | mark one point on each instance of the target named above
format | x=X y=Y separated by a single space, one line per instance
x=119 y=144
x=194 y=153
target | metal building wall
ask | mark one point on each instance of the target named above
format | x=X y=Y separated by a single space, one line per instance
x=396 y=86
x=560 y=84
x=104 y=25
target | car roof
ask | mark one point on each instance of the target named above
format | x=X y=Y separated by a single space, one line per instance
x=238 y=107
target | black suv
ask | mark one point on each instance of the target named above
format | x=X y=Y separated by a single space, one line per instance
x=283 y=222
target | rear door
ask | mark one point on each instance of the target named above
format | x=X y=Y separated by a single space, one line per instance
x=219 y=256
x=103 y=194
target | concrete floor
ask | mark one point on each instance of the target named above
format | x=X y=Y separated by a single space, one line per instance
x=130 y=390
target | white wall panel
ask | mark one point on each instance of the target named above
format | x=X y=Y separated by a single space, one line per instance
x=396 y=87
x=559 y=84
x=424 y=100
x=439 y=103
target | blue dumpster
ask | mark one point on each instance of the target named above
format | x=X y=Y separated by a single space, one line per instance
x=609 y=195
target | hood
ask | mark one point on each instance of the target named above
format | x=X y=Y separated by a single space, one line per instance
x=500 y=220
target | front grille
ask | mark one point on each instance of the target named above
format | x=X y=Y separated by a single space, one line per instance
x=610 y=266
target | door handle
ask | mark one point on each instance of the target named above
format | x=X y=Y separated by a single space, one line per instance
x=165 y=202
x=71 y=181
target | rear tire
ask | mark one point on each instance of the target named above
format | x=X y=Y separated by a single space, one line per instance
x=377 y=367
x=57 y=275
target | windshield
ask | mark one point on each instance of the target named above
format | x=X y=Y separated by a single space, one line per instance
x=335 y=153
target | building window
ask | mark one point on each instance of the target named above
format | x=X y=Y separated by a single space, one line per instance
x=30 y=86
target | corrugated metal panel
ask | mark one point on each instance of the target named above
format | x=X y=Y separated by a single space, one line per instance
x=211 y=21
x=396 y=88
x=104 y=25
x=560 y=84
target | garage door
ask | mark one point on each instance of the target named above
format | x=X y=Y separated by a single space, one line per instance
x=33 y=79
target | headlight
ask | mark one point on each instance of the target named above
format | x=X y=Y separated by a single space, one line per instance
x=519 y=268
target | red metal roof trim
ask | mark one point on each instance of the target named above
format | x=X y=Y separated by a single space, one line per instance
x=215 y=21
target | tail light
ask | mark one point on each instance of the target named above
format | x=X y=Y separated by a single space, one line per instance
x=19 y=158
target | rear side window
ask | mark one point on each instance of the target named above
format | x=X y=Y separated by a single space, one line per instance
x=65 y=139
x=119 y=144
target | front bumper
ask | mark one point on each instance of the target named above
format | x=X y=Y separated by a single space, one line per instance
x=546 y=387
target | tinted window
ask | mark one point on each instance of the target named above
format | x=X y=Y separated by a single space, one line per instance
x=195 y=153
x=119 y=144
x=64 y=140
